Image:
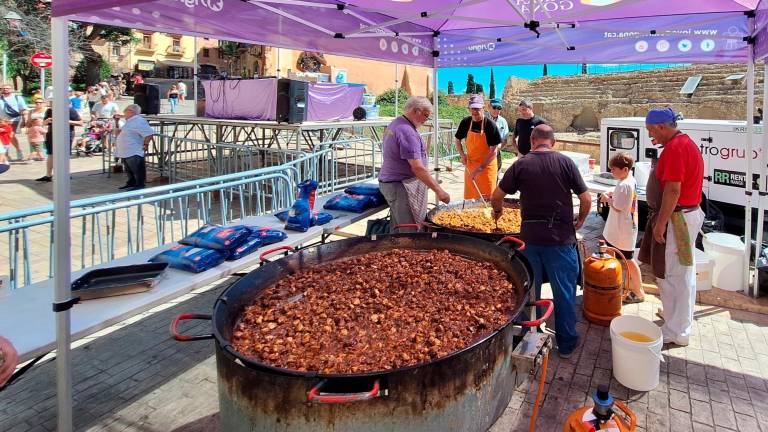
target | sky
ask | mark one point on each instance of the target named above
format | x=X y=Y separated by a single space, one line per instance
x=482 y=74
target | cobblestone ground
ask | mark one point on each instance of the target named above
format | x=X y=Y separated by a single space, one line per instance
x=133 y=377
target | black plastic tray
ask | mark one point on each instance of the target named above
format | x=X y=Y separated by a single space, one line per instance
x=113 y=281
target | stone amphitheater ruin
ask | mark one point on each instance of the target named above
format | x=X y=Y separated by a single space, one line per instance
x=578 y=103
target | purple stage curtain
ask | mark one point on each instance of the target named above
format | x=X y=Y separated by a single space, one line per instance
x=253 y=99
x=333 y=101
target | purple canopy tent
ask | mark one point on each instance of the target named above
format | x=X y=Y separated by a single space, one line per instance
x=433 y=33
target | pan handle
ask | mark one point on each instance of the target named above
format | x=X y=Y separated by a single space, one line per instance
x=184 y=317
x=315 y=394
x=407 y=226
x=264 y=254
x=520 y=243
x=543 y=302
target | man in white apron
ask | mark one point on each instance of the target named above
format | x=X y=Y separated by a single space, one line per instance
x=404 y=178
x=673 y=194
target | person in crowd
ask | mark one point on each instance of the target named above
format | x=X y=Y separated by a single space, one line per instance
x=94 y=96
x=404 y=177
x=36 y=136
x=173 y=98
x=76 y=101
x=620 y=229
x=521 y=137
x=137 y=79
x=105 y=109
x=182 y=90
x=6 y=131
x=546 y=181
x=39 y=107
x=481 y=137
x=74 y=120
x=673 y=194
x=133 y=139
x=501 y=123
x=14 y=107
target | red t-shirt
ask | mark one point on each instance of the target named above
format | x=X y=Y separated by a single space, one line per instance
x=681 y=161
x=5 y=134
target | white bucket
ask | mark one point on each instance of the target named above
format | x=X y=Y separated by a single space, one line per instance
x=727 y=251
x=636 y=364
x=704 y=268
x=642 y=171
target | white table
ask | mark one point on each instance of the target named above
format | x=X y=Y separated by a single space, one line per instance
x=27 y=320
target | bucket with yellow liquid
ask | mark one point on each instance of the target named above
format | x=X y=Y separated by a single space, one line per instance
x=636 y=349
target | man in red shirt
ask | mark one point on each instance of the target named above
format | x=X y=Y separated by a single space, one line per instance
x=673 y=194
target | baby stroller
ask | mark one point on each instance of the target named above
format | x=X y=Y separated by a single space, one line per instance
x=91 y=140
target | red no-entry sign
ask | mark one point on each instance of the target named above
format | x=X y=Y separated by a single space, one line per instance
x=42 y=60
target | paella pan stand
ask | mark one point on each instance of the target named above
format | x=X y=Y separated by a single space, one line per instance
x=467 y=390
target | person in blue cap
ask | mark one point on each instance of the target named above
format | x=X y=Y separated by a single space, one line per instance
x=501 y=123
x=673 y=194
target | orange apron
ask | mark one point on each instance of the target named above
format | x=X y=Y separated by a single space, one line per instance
x=477 y=151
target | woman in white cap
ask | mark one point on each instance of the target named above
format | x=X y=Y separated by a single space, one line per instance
x=481 y=137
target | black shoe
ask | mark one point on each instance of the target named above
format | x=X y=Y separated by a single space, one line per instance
x=45 y=179
x=127 y=186
x=133 y=188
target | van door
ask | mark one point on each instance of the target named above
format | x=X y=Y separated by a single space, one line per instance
x=624 y=140
x=728 y=160
x=704 y=140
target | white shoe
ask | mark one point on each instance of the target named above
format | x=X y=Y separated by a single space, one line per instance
x=675 y=341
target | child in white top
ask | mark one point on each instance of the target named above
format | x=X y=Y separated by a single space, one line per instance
x=621 y=227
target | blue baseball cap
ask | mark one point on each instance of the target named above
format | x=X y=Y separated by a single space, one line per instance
x=496 y=102
x=660 y=116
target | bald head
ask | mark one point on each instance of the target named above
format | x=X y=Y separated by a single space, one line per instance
x=542 y=134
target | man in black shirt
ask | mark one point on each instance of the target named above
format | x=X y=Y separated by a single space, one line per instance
x=546 y=181
x=74 y=120
x=521 y=137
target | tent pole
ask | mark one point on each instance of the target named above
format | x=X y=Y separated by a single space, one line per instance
x=278 y=63
x=195 y=68
x=763 y=191
x=435 y=120
x=397 y=91
x=61 y=227
x=748 y=159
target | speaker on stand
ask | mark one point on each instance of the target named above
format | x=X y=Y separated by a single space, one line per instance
x=147 y=96
x=292 y=96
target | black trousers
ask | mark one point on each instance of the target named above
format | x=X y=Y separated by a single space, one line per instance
x=136 y=168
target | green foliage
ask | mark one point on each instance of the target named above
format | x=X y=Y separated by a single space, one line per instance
x=471 y=86
x=447 y=111
x=81 y=72
x=450 y=87
x=388 y=97
x=492 y=87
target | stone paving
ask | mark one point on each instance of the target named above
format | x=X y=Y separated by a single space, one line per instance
x=133 y=377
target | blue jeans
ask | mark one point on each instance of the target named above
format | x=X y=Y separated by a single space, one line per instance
x=173 y=102
x=561 y=264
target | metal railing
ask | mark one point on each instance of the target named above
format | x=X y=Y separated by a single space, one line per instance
x=117 y=225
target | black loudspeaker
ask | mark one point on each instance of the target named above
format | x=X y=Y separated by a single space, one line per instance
x=292 y=98
x=147 y=96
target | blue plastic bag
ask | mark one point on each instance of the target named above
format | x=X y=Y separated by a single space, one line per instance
x=282 y=216
x=250 y=244
x=363 y=189
x=350 y=203
x=191 y=258
x=268 y=236
x=321 y=218
x=217 y=237
x=300 y=214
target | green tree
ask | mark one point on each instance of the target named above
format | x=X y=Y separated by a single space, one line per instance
x=450 y=87
x=479 y=89
x=492 y=87
x=470 y=84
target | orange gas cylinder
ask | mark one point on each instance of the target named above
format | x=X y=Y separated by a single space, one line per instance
x=603 y=285
x=602 y=417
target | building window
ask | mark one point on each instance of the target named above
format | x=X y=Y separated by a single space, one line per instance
x=146 y=41
x=206 y=52
x=116 y=50
x=176 y=45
